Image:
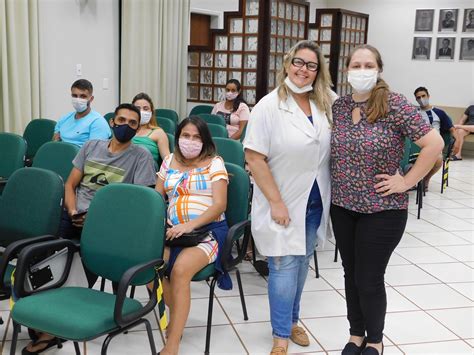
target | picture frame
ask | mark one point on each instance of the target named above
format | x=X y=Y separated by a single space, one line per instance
x=445 y=47
x=424 y=20
x=467 y=49
x=421 y=48
x=448 y=20
x=468 y=20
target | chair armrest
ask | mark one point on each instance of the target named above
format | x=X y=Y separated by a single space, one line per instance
x=126 y=281
x=236 y=232
x=25 y=258
x=12 y=251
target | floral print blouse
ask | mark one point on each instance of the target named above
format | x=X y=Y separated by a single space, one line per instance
x=359 y=151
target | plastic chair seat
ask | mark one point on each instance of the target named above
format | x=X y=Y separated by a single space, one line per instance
x=74 y=313
x=205 y=273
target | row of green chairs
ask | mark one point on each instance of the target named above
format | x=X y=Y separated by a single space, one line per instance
x=117 y=212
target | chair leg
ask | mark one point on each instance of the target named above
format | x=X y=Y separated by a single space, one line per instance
x=335 y=253
x=150 y=337
x=209 y=316
x=241 y=292
x=102 y=285
x=132 y=292
x=316 y=266
x=420 y=189
x=16 y=329
x=76 y=348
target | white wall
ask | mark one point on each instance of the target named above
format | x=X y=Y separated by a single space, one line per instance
x=78 y=32
x=391 y=30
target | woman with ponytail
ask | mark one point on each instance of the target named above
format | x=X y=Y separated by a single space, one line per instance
x=234 y=109
x=369 y=199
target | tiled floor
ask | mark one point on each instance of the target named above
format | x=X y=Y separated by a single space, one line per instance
x=430 y=288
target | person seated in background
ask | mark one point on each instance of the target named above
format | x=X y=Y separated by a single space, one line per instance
x=463 y=129
x=149 y=135
x=99 y=163
x=234 y=109
x=82 y=124
x=195 y=181
x=437 y=119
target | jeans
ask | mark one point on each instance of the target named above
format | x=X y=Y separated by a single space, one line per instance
x=288 y=275
x=366 y=242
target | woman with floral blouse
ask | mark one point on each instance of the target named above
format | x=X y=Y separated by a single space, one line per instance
x=369 y=199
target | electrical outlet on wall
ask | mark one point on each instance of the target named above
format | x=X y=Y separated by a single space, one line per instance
x=105 y=84
x=79 y=69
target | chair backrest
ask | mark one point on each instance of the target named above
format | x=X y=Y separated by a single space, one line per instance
x=168 y=113
x=215 y=119
x=125 y=226
x=218 y=130
x=448 y=143
x=108 y=116
x=12 y=153
x=171 y=141
x=38 y=132
x=242 y=136
x=57 y=157
x=31 y=205
x=196 y=110
x=230 y=150
x=166 y=124
x=238 y=194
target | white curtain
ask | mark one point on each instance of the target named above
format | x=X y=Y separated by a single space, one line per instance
x=154 y=51
x=19 y=64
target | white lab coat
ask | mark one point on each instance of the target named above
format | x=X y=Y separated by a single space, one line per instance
x=297 y=154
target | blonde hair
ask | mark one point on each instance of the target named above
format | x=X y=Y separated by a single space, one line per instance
x=321 y=93
x=377 y=105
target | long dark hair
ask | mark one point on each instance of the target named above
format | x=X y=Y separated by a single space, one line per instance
x=208 y=146
x=240 y=98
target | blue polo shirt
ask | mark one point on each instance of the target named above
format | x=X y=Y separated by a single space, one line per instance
x=79 y=131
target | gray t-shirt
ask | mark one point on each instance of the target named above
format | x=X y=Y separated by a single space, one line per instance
x=470 y=115
x=100 y=167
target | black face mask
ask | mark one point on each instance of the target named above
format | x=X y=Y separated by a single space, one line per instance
x=124 y=133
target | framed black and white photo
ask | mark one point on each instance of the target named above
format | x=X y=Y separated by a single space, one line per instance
x=424 y=20
x=445 y=48
x=467 y=49
x=421 y=48
x=468 y=21
x=448 y=20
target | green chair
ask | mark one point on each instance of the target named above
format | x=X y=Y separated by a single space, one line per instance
x=12 y=155
x=242 y=136
x=168 y=113
x=230 y=150
x=166 y=124
x=218 y=130
x=171 y=141
x=196 y=110
x=30 y=211
x=214 y=119
x=108 y=116
x=238 y=197
x=37 y=132
x=57 y=157
x=122 y=240
x=410 y=154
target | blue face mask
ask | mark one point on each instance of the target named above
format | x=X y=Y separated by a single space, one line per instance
x=124 y=133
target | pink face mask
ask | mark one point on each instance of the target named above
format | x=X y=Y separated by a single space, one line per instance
x=190 y=149
x=231 y=95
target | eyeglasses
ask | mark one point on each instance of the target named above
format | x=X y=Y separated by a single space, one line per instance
x=300 y=63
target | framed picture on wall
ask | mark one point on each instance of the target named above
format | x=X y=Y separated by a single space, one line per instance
x=445 y=48
x=467 y=49
x=424 y=20
x=421 y=48
x=448 y=20
x=468 y=21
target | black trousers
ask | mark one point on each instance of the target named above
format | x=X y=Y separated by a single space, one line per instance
x=366 y=242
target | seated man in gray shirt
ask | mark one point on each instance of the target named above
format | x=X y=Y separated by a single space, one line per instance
x=97 y=164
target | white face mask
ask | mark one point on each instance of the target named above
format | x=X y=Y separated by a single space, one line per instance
x=145 y=117
x=296 y=89
x=231 y=95
x=423 y=102
x=80 y=105
x=362 y=80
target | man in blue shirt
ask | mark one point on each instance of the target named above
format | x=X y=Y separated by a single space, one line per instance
x=439 y=120
x=82 y=124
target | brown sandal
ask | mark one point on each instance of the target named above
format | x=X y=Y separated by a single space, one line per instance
x=299 y=336
x=278 y=350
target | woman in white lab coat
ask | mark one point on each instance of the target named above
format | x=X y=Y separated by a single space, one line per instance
x=287 y=150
